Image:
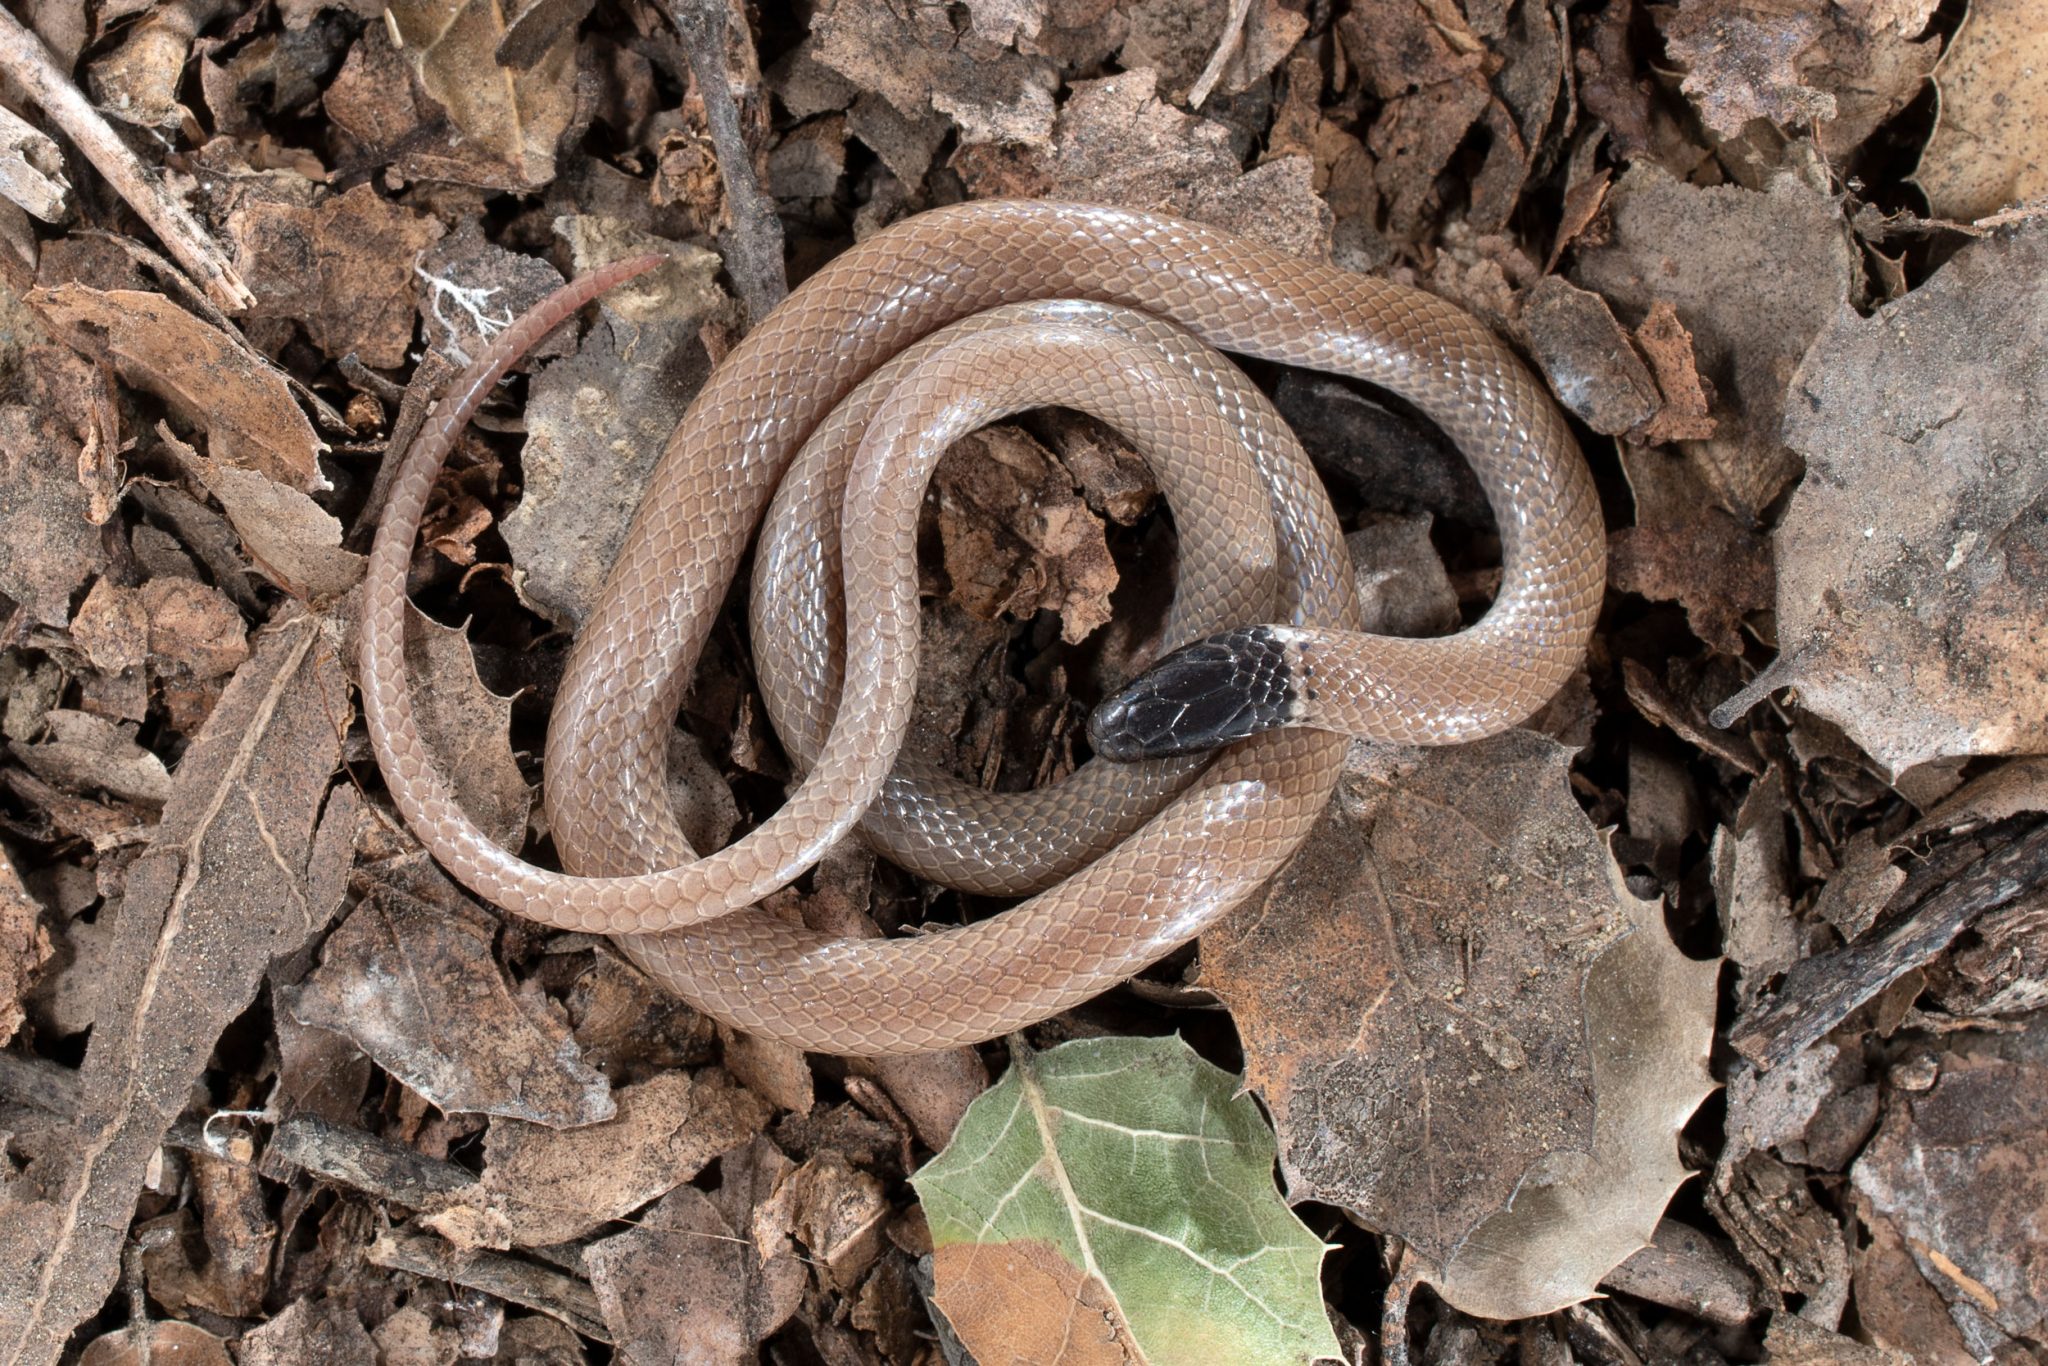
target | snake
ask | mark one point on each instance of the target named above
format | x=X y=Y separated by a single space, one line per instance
x=820 y=431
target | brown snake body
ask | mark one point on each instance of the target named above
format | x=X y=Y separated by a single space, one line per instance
x=1095 y=309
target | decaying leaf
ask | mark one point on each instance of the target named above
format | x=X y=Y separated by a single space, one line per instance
x=415 y=985
x=1986 y=151
x=1442 y=1050
x=1959 y=1167
x=24 y=946
x=516 y=113
x=1015 y=536
x=1913 y=560
x=1686 y=550
x=52 y=545
x=1741 y=62
x=689 y=1284
x=212 y=382
x=1118 y=143
x=250 y=861
x=916 y=58
x=1754 y=277
x=1578 y=1215
x=596 y=423
x=290 y=538
x=342 y=265
x=466 y=728
x=1111 y=1200
x=546 y=1185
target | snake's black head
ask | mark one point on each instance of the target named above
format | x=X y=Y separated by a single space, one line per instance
x=1222 y=688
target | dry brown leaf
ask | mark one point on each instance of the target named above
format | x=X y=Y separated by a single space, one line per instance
x=289 y=538
x=1986 y=150
x=542 y=1185
x=467 y=729
x=1650 y=1018
x=1896 y=1306
x=249 y=863
x=1016 y=538
x=918 y=59
x=1046 y=1311
x=1913 y=560
x=1683 y=549
x=24 y=946
x=596 y=423
x=1872 y=74
x=1180 y=40
x=211 y=381
x=688 y=1285
x=153 y=1343
x=1586 y=357
x=342 y=266
x=310 y=1331
x=1409 y=992
x=1433 y=90
x=82 y=753
x=1742 y=62
x=138 y=81
x=1119 y=143
x=380 y=116
x=1754 y=277
x=415 y=985
x=50 y=546
x=518 y=114
x=1961 y=1170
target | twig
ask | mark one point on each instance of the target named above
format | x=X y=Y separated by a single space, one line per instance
x=1226 y=48
x=753 y=245
x=24 y=58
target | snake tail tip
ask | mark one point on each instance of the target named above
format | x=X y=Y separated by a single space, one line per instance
x=1222 y=688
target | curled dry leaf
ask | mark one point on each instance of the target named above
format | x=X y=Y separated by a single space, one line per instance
x=416 y=987
x=517 y=114
x=1119 y=143
x=250 y=862
x=1111 y=1200
x=1017 y=538
x=211 y=381
x=1913 y=561
x=289 y=538
x=1986 y=151
x=1754 y=277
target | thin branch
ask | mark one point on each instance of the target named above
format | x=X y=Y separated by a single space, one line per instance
x=753 y=245
x=24 y=58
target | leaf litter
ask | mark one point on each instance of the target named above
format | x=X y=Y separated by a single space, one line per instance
x=273 y=1087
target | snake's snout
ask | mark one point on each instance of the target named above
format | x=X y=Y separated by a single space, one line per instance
x=1225 y=687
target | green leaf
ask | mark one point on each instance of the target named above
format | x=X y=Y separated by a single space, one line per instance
x=1112 y=1200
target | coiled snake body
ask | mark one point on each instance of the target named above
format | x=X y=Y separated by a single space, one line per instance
x=837 y=406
